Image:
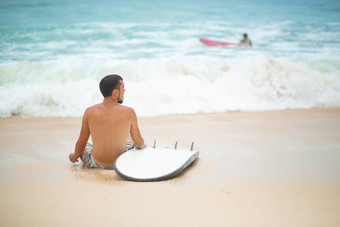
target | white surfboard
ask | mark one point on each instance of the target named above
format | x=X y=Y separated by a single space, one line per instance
x=153 y=164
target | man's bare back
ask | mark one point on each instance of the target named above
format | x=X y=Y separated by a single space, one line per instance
x=109 y=125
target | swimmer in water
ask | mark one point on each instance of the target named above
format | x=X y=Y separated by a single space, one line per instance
x=245 y=42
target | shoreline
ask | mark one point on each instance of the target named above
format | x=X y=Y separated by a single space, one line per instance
x=331 y=109
x=273 y=167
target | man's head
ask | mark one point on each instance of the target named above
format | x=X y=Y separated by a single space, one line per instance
x=112 y=84
x=245 y=35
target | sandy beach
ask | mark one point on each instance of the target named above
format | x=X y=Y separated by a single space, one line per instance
x=275 y=168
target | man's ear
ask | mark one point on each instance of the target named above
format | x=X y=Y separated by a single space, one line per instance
x=115 y=93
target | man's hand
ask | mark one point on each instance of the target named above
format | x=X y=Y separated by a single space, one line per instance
x=72 y=158
x=141 y=147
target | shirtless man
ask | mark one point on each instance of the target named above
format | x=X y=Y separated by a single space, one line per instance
x=245 y=42
x=109 y=125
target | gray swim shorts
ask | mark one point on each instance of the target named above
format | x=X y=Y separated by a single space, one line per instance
x=87 y=158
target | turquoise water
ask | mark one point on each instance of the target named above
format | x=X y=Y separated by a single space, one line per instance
x=55 y=51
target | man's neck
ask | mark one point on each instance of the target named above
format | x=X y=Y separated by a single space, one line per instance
x=110 y=101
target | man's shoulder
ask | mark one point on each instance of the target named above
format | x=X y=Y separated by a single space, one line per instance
x=129 y=112
x=93 y=108
x=127 y=109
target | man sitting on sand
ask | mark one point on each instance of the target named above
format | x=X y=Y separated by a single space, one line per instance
x=109 y=125
x=245 y=42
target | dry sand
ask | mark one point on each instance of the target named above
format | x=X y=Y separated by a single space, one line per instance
x=278 y=168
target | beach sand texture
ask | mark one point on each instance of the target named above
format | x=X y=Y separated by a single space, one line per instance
x=276 y=168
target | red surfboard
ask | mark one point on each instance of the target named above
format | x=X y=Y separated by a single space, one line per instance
x=216 y=43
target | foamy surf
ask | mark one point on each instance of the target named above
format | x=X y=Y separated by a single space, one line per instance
x=159 y=87
x=51 y=63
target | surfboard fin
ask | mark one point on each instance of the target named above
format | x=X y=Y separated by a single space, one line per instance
x=175 y=145
x=154 y=144
x=192 y=146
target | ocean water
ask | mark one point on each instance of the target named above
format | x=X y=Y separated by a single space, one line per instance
x=54 y=53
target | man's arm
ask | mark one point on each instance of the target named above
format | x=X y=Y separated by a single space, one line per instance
x=135 y=133
x=82 y=140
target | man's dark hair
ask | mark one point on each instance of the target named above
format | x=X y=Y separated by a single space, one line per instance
x=109 y=83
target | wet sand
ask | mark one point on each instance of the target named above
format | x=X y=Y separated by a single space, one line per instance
x=277 y=168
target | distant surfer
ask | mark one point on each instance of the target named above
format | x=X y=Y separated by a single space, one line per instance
x=109 y=123
x=245 y=42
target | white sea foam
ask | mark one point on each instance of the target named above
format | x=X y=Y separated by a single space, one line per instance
x=53 y=69
x=166 y=86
